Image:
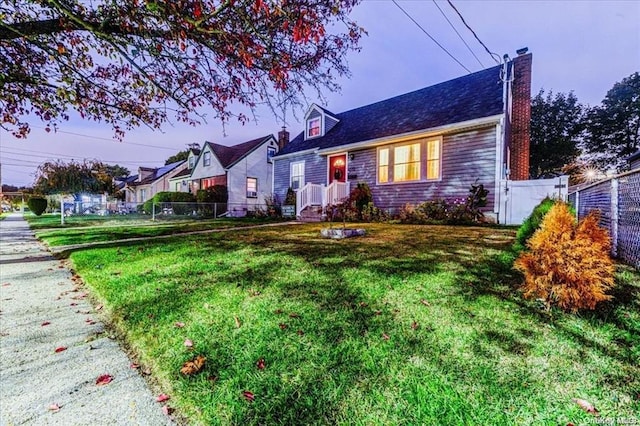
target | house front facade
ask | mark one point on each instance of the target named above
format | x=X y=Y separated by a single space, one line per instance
x=432 y=143
x=149 y=181
x=245 y=169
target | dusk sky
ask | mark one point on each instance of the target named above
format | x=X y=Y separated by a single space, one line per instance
x=584 y=46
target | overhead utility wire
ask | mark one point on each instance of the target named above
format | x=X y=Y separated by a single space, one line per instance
x=18 y=151
x=429 y=35
x=108 y=140
x=492 y=54
x=459 y=35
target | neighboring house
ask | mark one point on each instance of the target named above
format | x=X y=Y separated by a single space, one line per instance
x=245 y=169
x=181 y=182
x=431 y=143
x=634 y=161
x=149 y=181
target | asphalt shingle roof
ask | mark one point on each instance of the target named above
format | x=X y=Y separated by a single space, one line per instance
x=229 y=155
x=157 y=174
x=465 y=98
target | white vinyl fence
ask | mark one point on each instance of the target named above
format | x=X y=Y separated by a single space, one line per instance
x=519 y=197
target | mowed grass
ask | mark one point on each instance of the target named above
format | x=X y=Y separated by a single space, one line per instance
x=408 y=325
x=90 y=231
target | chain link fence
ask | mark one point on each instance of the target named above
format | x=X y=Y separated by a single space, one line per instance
x=618 y=200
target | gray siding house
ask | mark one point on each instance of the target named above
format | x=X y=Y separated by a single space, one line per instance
x=431 y=143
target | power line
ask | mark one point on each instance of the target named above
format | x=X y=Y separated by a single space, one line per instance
x=17 y=151
x=16 y=170
x=19 y=159
x=429 y=35
x=107 y=139
x=492 y=54
x=459 y=35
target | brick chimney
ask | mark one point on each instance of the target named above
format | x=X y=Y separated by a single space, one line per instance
x=283 y=138
x=520 y=116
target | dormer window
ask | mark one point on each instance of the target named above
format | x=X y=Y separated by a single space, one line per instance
x=313 y=127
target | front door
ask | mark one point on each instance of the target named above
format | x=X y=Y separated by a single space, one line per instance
x=338 y=168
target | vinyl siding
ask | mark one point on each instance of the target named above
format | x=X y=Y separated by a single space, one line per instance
x=315 y=171
x=465 y=157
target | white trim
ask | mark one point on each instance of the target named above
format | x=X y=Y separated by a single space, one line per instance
x=279 y=157
x=321 y=127
x=499 y=162
x=434 y=131
x=304 y=172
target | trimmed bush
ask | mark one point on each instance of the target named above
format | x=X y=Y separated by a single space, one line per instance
x=37 y=205
x=532 y=223
x=568 y=264
x=213 y=194
x=171 y=197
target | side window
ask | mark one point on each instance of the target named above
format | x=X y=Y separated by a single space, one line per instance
x=297 y=175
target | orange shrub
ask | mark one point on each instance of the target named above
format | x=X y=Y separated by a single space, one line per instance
x=568 y=264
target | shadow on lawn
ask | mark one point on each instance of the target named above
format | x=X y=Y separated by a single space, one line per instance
x=626 y=298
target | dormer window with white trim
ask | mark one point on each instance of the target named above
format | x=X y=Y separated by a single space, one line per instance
x=313 y=127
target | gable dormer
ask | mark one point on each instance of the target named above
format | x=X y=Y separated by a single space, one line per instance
x=318 y=122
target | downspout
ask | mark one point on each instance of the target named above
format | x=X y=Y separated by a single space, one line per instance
x=504 y=134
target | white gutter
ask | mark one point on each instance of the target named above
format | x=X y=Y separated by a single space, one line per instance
x=448 y=128
x=295 y=154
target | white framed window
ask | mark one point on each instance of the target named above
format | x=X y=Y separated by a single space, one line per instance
x=143 y=195
x=271 y=151
x=409 y=162
x=297 y=175
x=192 y=161
x=313 y=127
x=206 y=158
x=252 y=187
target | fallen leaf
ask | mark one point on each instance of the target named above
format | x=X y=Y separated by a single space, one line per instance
x=54 y=407
x=424 y=302
x=314 y=292
x=586 y=406
x=179 y=324
x=277 y=311
x=73 y=304
x=6 y=285
x=282 y=326
x=300 y=333
x=98 y=307
x=212 y=379
x=188 y=343
x=363 y=304
x=146 y=371
x=194 y=366
x=378 y=312
x=134 y=366
x=414 y=325
x=294 y=315
x=167 y=410
x=163 y=397
x=60 y=349
x=105 y=379
x=249 y=396
x=238 y=324
x=45 y=323
x=385 y=336
x=260 y=364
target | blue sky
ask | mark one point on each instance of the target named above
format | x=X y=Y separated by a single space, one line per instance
x=584 y=46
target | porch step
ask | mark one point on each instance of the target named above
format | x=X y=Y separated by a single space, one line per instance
x=311 y=214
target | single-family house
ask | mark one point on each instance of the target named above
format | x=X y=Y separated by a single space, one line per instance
x=245 y=169
x=149 y=181
x=431 y=143
x=181 y=181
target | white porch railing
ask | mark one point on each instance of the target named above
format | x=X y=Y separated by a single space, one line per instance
x=336 y=192
x=313 y=194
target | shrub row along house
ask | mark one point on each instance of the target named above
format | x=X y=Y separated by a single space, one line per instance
x=431 y=143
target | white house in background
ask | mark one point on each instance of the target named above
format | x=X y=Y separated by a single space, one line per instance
x=245 y=169
x=149 y=181
x=181 y=181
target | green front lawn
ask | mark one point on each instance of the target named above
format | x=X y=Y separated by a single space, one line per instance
x=91 y=231
x=408 y=325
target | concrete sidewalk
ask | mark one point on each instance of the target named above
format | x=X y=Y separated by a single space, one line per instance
x=42 y=310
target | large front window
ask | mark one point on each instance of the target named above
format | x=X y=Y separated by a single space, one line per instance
x=297 y=175
x=408 y=162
